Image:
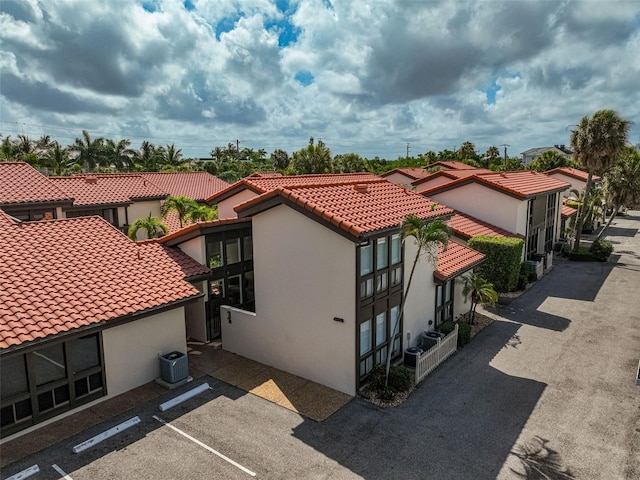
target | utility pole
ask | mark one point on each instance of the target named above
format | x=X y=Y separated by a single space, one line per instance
x=407 y=151
x=505 y=145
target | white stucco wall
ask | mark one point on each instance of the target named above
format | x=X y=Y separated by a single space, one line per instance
x=487 y=204
x=122 y=216
x=574 y=182
x=304 y=277
x=196 y=248
x=131 y=350
x=420 y=304
x=433 y=182
x=460 y=304
x=196 y=317
x=225 y=207
x=138 y=210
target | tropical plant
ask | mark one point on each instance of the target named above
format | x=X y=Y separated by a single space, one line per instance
x=315 y=158
x=148 y=158
x=348 y=162
x=279 y=159
x=7 y=149
x=152 y=225
x=173 y=157
x=479 y=291
x=201 y=213
x=548 y=161
x=467 y=151
x=492 y=154
x=181 y=205
x=118 y=154
x=90 y=151
x=427 y=234
x=57 y=160
x=621 y=185
x=597 y=144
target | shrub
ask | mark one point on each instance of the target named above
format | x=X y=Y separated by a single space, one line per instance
x=601 y=250
x=464 y=331
x=523 y=276
x=502 y=263
x=400 y=379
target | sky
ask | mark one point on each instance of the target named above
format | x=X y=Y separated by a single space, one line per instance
x=376 y=77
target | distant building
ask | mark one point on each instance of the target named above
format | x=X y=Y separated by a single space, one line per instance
x=530 y=155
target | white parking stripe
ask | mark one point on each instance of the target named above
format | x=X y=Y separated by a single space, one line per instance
x=61 y=472
x=27 y=472
x=206 y=447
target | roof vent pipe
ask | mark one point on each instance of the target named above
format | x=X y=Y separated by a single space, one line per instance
x=360 y=187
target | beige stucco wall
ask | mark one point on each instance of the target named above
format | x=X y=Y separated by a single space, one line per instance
x=304 y=277
x=574 y=182
x=420 y=304
x=400 y=179
x=196 y=248
x=196 y=317
x=487 y=204
x=433 y=182
x=225 y=207
x=122 y=216
x=138 y=210
x=131 y=350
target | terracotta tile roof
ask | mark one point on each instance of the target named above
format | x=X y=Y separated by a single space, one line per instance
x=359 y=208
x=414 y=173
x=568 y=211
x=60 y=275
x=455 y=260
x=101 y=189
x=21 y=183
x=195 y=229
x=263 y=184
x=184 y=263
x=451 y=165
x=197 y=186
x=466 y=227
x=521 y=184
x=450 y=174
x=572 y=172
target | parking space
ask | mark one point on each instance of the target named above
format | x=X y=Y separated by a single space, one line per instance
x=221 y=433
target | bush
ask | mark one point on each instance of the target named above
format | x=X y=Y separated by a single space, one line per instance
x=502 y=263
x=523 y=276
x=464 y=331
x=601 y=250
x=400 y=380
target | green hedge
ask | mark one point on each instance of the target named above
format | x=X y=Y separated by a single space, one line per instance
x=502 y=264
x=464 y=331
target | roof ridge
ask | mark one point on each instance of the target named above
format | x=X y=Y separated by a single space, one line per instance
x=335 y=184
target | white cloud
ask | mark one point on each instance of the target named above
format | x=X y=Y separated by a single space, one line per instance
x=384 y=73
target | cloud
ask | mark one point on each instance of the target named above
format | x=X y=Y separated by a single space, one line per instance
x=364 y=76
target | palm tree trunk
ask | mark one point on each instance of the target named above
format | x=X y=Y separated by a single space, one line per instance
x=613 y=215
x=583 y=212
x=400 y=315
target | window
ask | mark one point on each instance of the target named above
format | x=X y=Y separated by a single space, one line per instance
x=382 y=253
x=41 y=384
x=214 y=250
x=444 y=302
x=248 y=247
x=233 y=250
x=396 y=249
x=366 y=259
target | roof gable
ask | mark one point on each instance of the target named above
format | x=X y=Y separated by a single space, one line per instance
x=355 y=209
x=466 y=227
x=454 y=260
x=572 y=173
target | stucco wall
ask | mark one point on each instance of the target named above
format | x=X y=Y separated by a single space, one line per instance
x=122 y=216
x=304 y=277
x=131 y=350
x=420 y=302
x=195 y=316
x=225 y=207
x=574 y=182
x=138 y=210
x=196 y=249
x=399 y=179
x=487 y=204
x=433 y=182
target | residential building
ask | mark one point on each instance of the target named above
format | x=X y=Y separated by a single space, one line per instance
x=574 y=177
x=84 y=313
x=523 y=202
x=530 y=155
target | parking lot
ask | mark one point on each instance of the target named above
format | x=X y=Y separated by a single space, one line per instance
x=550 y=385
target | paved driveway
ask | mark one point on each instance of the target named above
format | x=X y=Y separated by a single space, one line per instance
x=549 y=385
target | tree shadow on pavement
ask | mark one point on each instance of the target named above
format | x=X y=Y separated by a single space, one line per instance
x=461 y=422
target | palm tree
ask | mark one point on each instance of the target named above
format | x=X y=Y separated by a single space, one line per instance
x=202 y=213
x=312 y=159
x=480 y=291
x=152 y=225
x=57 y=160
x=622 y=185
x=181 y=205
x=597 y=144
x=119 y=154
x=173 y=157
x=7 y=149
x=90 y=152
x=427 y=235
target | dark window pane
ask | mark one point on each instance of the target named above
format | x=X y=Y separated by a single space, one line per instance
x=215 y=254
x=14 y=376
x=61 y=394
x=248 y=248
x=85 y=352
x=45 y=401
x=233 y=250
x=23 y=409
x=6 y=415
x=95 y=381
x=81 y=387
x=49 y=364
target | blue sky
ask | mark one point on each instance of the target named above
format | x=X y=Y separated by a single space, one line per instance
x=365 y=76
